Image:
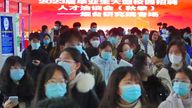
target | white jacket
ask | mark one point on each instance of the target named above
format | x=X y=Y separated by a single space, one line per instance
x=163 y=74
x=173 y=101
x=150 y=49
x=106 y=67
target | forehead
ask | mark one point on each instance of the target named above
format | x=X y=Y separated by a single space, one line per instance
x=65 y=55
x=34 y=40
x=174 y=48
x=130 y=77
x=181 y=75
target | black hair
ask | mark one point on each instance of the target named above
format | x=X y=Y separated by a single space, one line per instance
x=7 y=84
x=114 y=32
x=187 y=71
x=140 y=61
x=64 y=28
x=133 y=40
x=104 y=44
x=144 y=30
x=77 y=57
x=151 y=34
x=121 y=31
x=160 y=48
x=65 y=102
x=111 y=97
x=93 y=24
x=58 y=22
x=134 y=30
x=34 y=36
x=70 y=34
x=44 y=27
x=120 y=50
x=181 y=47
x=76 y=24
x=46 y=73
x=83 y=32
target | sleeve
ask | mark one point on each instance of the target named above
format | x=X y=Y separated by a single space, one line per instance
x=165 y=104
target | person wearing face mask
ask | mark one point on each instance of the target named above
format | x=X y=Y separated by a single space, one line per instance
x=156 y=92
x=115 y=37
x=15 y=81
x=44 y=30
x=93 y=28
x=81 y=83
x=102 y=35
x=105 y=61
x=77 y=26
x=52 y=83
x=133 y=42
x=92 y=44
x=47 y=44
x=181 y=95
x=176 y=54
x=56 y=31
x=34 y=57
x=73 y=39
x=124 y=90
x=124 y=54
x=145 y=43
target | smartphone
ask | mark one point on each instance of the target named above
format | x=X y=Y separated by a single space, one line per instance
x=13 y=99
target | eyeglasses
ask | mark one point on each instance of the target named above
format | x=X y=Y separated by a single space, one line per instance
x=60 y=60
x=18 y=67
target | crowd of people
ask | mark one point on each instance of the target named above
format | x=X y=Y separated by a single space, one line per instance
x=117 y=68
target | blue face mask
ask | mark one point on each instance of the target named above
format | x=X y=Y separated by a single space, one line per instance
x=186 y=35
x=131 y=93
x=46 y=42
x=114 y=41
x=94 y=29
x=66 y=66
x=181 y=88
x=16 y=74
x=35 y=46
x=129 y=54
x=106 y=55
x=145 y=37
x=79 y=48
x=55 y=90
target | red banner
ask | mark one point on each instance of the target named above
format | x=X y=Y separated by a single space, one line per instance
x=1 y=5
x=13 y=7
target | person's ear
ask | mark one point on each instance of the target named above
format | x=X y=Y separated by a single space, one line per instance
x=121 y=54
x=119 y=92
x=78 y=65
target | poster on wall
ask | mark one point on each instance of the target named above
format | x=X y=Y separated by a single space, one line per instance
x=7 y=35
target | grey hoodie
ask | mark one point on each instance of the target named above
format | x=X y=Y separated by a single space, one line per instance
x=173 y=101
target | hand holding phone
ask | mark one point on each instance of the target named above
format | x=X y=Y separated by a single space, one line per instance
x=11 y=102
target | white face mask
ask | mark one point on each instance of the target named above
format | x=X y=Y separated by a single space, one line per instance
x=95 y=43
x=174 y=59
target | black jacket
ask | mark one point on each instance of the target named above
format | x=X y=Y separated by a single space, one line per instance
x=91 y=52
x=29 y=55
x=24 y=91
x=155 y=91
x=48 y=49
x=85 y=100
